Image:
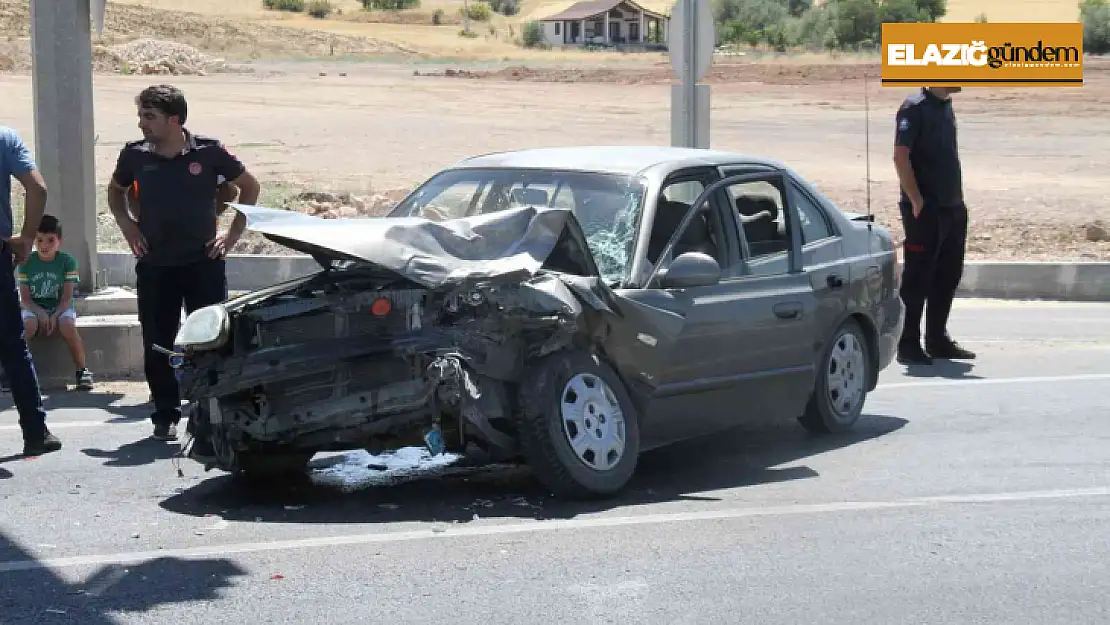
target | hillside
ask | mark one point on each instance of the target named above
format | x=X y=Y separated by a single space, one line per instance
x=242 y=30
x=226 y=36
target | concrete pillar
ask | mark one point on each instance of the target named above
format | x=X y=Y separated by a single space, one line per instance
x=61 y=44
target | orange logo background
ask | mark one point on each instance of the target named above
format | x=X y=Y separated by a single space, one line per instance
x=983 y=55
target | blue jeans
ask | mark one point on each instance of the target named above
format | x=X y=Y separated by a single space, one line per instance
x=19 y=368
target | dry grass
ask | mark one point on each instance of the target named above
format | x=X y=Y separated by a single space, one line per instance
x=411 y=31
x=234 y=38
x=1013 y=10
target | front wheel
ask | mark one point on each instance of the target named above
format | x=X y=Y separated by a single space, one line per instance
x=841 y=384
x=579 y=431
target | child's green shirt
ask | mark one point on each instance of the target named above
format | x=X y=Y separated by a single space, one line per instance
x=46 y=279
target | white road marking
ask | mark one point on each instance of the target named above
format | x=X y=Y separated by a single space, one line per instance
x=469 y=531
x=1039 y=379
x=65 y=425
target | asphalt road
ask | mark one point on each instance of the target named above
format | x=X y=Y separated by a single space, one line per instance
x=969 y=494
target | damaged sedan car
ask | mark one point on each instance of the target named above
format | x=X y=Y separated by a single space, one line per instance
x=568 y=308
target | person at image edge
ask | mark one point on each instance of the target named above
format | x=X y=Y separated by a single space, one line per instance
x=17 y=162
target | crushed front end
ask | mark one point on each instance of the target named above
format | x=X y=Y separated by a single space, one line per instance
x=361 y=358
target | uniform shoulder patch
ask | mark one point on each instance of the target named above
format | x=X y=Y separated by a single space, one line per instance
x=205 y=141
x=913 y=99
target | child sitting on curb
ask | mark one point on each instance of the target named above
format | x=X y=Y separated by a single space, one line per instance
x=46 y=285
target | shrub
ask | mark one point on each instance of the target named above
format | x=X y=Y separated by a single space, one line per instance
x=390 y=5
x=981 y=18
x=437 y=17
x=532 y=35
x=1095 y=15
x=319 y=8
x=505 y=7
x=477 y=11
x=293 y=6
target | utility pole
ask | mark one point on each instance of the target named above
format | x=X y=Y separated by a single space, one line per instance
x=61 y=45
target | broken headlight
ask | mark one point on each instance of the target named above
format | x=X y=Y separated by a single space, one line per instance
x=206 y=328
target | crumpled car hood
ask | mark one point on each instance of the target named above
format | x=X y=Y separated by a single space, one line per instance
x=433 y=254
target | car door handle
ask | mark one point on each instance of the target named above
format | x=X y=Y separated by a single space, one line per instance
x=788 y=310
x=834 y=281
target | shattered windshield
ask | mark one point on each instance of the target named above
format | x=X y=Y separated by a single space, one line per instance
x=607 y=206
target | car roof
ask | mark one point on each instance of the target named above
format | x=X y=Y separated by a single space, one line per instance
x=613 y=159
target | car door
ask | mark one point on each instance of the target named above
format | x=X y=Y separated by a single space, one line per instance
x=773 y=302
x=830 y=273
x=677 y=346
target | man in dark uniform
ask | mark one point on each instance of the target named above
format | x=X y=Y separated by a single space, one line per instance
x=174 y=235
x=934 y=217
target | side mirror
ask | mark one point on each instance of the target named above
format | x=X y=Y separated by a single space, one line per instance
x=690 y=269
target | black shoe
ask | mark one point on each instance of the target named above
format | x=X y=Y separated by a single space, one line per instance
x=910 y=353
x=165 y=432
x=947 y=349
x=84 y=380
x=44 y=445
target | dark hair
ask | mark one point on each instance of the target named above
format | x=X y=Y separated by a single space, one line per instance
x=49 y=224
x=166 y=99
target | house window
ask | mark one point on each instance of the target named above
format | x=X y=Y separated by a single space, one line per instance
x=557 y=27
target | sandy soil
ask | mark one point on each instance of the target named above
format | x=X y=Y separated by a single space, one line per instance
x=1036 y=163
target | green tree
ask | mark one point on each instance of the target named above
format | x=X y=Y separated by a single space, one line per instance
x=858 y=21
x=750 y=21
x=903 y=12
x=934 y=9
x=1095 y=15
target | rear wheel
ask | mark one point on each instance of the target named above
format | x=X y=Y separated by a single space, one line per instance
x=579 y=431
x=841 y=385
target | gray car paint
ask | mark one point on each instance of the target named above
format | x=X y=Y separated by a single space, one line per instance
x=702 y=358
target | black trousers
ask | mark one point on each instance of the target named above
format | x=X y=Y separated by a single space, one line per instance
x=934 y=251
x=14 y=354
x=161 y=293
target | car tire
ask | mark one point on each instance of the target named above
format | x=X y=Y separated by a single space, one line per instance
x=552 y=393
x=840 y=388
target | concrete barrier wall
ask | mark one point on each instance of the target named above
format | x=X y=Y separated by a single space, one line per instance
x=1087 y=281
x=113 y=340
x=245 y=272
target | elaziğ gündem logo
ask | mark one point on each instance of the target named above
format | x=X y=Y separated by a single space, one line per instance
x=946 y=54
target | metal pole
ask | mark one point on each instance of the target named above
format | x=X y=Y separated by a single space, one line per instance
x=689 y=28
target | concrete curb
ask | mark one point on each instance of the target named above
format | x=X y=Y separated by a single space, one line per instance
x=1082 y=282
x=114 y=348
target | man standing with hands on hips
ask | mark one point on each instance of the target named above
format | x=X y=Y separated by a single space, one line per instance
x=181 y=254
x=934 y=217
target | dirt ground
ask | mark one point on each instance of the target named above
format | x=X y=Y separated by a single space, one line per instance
x=1035 y=161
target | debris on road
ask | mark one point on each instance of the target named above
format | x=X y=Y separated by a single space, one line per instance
x=351 y=471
